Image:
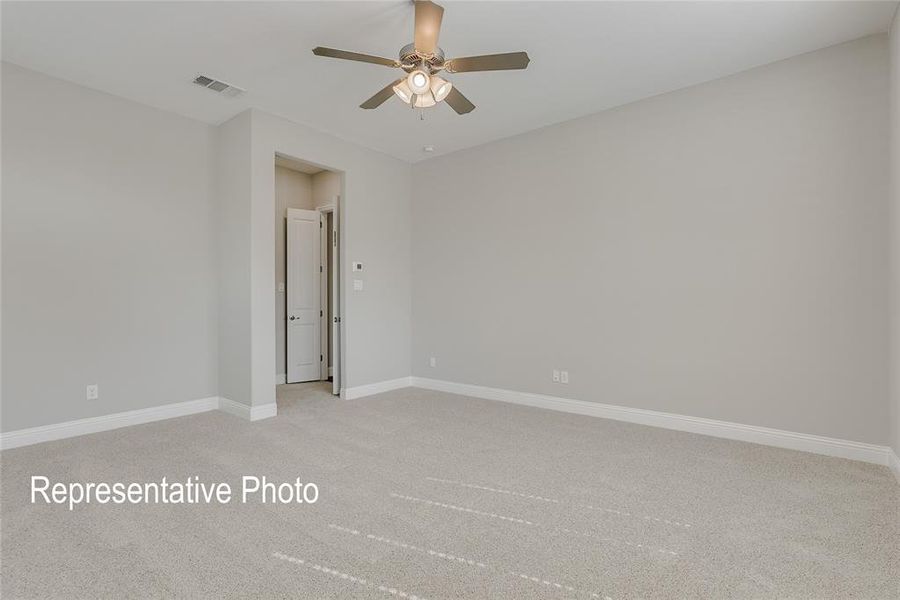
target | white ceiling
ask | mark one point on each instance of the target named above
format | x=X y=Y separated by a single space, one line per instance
x=296 y=165
x=585 y=56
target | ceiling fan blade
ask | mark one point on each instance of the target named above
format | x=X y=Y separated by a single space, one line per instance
x=381 y=97
x=488 y=62
x=344 y=54
x=428 y=25
x=458 y=102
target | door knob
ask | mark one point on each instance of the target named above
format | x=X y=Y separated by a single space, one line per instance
x=293 y=317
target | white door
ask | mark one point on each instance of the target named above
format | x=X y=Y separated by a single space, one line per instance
x=335 y=304
x=304 y=355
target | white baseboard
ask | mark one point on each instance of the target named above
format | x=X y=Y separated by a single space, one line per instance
x=58 y=431
x=894 y=463
x=238 y=409
x=375 y=388
x=246 y=412
x=281 y=379
x=264 y=411
x=734 y=431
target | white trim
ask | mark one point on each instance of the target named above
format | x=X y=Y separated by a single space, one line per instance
x=68 y=429
x=734 y=431
x=246 y=412
x=361 y=391
x=58 y=431
x=281 y=379
x=264 y=411
x=333 y=281
x=238 y=409
x=894 y=463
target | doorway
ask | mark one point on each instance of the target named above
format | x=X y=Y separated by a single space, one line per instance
x=307 y=273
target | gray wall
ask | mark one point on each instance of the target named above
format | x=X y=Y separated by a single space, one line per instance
x=232 y=188
x=293 y=189
x=720 y=251
x=138 y=247
x=895 y=230
x=109 y=272
x=325 y=186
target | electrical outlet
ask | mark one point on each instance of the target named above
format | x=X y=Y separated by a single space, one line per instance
x=564 y=377
x=555 y=376
x=432 y=361
x=92 y=392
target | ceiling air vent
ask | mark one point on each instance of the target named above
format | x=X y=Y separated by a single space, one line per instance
x=220 y=87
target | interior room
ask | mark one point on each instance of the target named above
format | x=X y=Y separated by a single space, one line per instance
x=412 y=299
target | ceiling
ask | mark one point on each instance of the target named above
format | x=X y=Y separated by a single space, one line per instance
x=585 y=56
x=296 y=165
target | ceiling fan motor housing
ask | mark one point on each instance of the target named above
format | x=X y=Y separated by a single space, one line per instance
x=410 y=58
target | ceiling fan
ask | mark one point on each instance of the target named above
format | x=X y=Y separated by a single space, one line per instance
x=422 y=60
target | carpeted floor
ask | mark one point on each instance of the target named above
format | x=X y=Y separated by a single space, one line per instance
x=430 y=495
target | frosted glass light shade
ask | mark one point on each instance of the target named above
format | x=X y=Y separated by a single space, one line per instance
x=403 y=92
x=425 y=100
x=418 y=81
x=440 y=88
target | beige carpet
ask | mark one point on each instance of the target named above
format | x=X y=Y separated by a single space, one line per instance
x=430 y=495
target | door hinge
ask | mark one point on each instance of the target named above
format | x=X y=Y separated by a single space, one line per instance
x=320 y=268
x=320 y=224
x=321 y=358
x=320 y=313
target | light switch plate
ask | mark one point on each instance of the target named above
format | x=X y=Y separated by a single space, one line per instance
x=357 y=285
x=357 y=266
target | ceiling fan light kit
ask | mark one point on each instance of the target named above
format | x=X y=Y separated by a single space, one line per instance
x=422 y=60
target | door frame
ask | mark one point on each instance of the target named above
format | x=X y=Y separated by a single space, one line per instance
x=332 y=284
